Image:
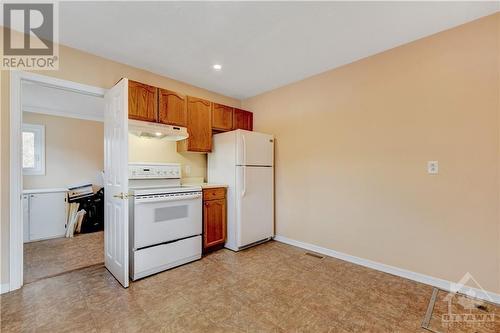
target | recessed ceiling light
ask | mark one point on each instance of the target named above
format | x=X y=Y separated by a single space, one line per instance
x=217 y=67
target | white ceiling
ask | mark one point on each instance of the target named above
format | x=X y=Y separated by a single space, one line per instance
x=59 y=102
x=261 y=45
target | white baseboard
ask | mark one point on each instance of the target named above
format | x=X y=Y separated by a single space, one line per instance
x=422 y=278
x=4 y=288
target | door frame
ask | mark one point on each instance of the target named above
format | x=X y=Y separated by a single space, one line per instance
x=15 y=156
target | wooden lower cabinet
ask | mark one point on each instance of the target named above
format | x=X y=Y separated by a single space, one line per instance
x=214 y=218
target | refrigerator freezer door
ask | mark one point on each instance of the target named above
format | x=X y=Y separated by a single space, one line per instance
x=254 y=148
x=254 y=204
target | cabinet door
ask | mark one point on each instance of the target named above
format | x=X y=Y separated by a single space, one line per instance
x=142 y=102
x=242 y=120
x=199 y=124
x=222 y=117
x=172 y=108
x=214 y=222
x=47 y=215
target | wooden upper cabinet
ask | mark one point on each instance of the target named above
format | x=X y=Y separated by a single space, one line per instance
x=142 y=101
x=199 y=124
x=172 y=108
x=242 y=120
x=222 y=117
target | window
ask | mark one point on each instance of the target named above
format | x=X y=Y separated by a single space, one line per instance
x=33 y=149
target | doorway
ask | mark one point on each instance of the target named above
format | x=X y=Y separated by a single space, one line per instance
x=58 y=129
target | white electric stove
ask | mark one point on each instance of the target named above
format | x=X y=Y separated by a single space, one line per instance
x=165 y=219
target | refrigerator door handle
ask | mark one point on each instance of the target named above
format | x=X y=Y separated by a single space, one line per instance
x=244 y=181
x=244 y=144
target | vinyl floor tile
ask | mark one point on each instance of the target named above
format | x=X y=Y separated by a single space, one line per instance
x=269 y=288
x=55 y=256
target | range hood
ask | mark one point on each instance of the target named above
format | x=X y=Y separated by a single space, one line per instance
x=156 y=130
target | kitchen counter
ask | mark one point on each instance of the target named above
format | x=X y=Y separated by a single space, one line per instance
x=44 y=190
x=198 y=181
x=210 y=185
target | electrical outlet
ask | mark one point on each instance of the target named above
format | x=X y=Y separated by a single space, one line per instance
x=432 y=167
x=187 y=170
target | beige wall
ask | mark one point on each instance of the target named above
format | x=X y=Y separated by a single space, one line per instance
x=74 y=151
x=352 y=146
x=498 y=152
x=163 y=151
x=83 y=68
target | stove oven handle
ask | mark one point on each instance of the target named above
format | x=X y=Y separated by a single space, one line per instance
x=169 y=198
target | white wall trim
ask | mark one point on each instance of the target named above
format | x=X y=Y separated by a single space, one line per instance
x=16 y=184
x=62 y=113
x=4 y=288
x=422 y=278
x=16 y=179
x=53 y=82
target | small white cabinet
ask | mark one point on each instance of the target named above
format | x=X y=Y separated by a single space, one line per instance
x=44 y=215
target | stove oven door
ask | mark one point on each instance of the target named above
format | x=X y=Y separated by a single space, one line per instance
x=165 y=218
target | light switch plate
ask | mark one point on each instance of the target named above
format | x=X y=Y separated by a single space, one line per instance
x=432 y=167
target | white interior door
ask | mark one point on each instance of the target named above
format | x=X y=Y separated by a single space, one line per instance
x=255 y=207
x=116 y=226
x=254 y=148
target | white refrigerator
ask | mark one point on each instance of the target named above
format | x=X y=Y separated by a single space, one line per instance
x=244 y=161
